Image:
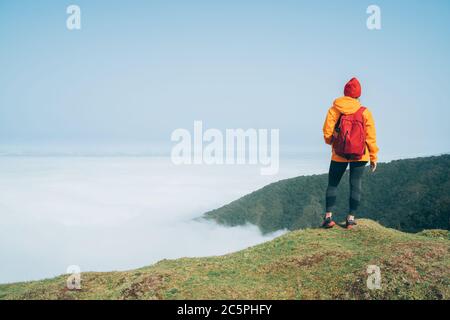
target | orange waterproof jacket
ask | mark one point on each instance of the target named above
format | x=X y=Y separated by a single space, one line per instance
x=348 y=105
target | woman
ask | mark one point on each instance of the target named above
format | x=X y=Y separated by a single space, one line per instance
x=349 y=108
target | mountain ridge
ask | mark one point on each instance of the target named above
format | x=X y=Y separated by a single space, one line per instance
x=409 y=195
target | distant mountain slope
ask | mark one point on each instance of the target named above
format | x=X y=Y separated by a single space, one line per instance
x=409 y=195
x=304 y=264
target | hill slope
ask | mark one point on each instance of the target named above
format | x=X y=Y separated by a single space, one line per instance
x=409 y=195
x=304 y=264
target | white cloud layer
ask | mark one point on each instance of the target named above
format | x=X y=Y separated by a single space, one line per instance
x=115 y=213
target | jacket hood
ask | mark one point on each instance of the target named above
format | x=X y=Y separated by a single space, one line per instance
x=346 y=105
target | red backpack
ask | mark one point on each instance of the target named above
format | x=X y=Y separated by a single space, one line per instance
x=349 y=140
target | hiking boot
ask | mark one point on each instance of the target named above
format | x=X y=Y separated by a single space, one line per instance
x=350 y=222
x=328 y=221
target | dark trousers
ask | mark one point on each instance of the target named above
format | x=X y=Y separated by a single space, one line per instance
x=337 y=170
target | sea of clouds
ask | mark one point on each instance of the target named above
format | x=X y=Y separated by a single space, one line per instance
x=119 y=212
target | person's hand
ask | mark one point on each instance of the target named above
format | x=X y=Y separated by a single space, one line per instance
x=373 y=166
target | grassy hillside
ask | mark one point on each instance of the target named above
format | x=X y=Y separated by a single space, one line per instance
x=304 y=264
x=409 y=195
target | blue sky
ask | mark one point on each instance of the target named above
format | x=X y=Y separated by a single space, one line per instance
x=137 y=70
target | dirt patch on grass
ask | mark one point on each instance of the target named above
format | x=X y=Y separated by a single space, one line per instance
x=410 y=258
x=306 y=261
x=147 y=286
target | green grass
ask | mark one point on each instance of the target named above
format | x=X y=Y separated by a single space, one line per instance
x=303 y=264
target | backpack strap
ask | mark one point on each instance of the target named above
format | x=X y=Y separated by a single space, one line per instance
x=361 y=110
x=338 y=123
x=359 y=113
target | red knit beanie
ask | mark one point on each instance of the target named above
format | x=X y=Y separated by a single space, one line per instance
x=353 y=88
